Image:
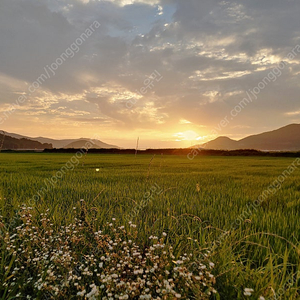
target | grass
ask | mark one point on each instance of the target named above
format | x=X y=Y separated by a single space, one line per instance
x=195 y=202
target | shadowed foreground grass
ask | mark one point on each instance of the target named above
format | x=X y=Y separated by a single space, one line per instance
x=198 y=207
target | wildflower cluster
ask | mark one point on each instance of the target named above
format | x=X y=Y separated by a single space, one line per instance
x=80 y=261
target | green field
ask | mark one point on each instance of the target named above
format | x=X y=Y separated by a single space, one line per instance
x=200 y=204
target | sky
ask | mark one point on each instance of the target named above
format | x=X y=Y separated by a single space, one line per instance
x=172 y=72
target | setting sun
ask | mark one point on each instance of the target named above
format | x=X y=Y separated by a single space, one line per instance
x=188 y=135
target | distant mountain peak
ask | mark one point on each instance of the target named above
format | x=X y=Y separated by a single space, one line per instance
x=83 y=143
x=65 y=143
x=224 y=138
x=286 y=138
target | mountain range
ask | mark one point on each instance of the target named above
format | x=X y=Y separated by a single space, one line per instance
x=10 y=143
x=283 y=139
x=17 y=142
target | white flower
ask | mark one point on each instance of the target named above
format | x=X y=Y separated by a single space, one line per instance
x=81 y=293
x=93 y=293
x=248 y=292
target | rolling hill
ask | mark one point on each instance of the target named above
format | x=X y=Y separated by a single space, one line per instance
x=283 y=139
x=11 y=143
x=65 y=143
x=83 y=142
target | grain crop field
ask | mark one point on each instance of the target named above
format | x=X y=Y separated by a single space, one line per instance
x=203 y=206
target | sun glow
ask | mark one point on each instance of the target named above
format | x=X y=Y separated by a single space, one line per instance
x=188 y=135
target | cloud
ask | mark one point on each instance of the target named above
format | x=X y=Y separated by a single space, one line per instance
x=209 y=53
x=132 y=2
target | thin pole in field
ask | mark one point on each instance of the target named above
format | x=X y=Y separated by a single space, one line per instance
x=137 y=146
